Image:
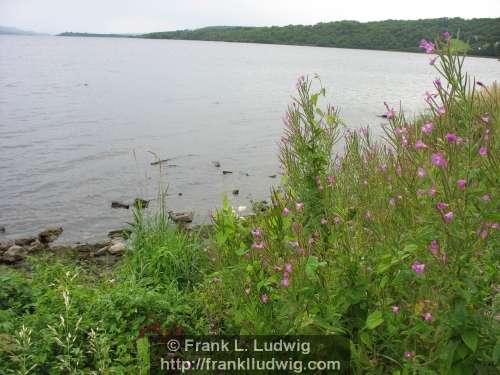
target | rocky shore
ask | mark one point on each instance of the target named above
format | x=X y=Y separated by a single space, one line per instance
x=15 y=252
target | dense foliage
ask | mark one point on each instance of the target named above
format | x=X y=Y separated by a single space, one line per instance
x=392 y=246
x=482 y=34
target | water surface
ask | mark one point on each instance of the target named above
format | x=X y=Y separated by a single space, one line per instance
x=80 y=116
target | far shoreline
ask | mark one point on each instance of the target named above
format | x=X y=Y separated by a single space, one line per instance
x=113 y=36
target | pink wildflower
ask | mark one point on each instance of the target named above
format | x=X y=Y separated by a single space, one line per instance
x=485 y=119
x=264 y=298
x=429 y=97
x=401 y=131
x=288 y=267
x=427 y=128
x=421 y=172
x=256 y=233
x=483 y=151
x=427 y=316
x=330 y=180
x=395 y=309
x=432 y=61
x=392 y=202
x=420 y=145
x=441 y=206
x=448 y=217
x=399 y=170
x=434 y=247
x=216 y=280
x=285 y=282
x=409 y=355
x=429 y=47
x=390 y=112
x=451 y=137
x=461 y=184
x=324 y=221
x=301 y=251
x=446 y=35
x=439 y=160
x=418 y=267
x=258 y=245
x=441 y=110
x=486 y=198
x=337 y=220
x=432 y=191
x=286 y=211
x=299 y=206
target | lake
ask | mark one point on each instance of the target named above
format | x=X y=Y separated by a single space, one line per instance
x=80 y=119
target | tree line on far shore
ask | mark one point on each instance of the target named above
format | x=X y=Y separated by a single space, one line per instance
x=481 y=34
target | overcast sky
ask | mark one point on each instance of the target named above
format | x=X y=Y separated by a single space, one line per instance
x=136 y=16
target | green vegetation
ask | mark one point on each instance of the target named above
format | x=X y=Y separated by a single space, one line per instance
x=482 y=34
x=392 y=246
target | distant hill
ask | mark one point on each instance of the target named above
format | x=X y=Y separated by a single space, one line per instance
x=95 y=35
x=482 y=34
x=14 y=31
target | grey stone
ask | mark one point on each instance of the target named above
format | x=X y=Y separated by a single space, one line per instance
x=181 y=217
x=14 y=254
x=4 y=246
x=116 y=204
x=24 y=241
x=49 y=235
x=36 y=246
x=117 y=248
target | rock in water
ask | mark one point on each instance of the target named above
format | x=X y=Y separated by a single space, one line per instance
x=115 y=204
x=216 y=164
x=117 y=248
x=120 y=233
x=236 y=192
x=49 y=235
x=226 y=172
x=35 y=247
x=158 y=162
x=181 y=217
x=2 y=229
x=25 y=241
x=4 y=246
x=14 y=254
x=141 y=203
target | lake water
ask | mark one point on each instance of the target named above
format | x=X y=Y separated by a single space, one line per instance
x=80 y=116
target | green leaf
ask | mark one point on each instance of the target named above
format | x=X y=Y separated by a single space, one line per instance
x=470 y=338
x=365 y=339
x=311 y=266
x=374 y=319
x=411 y=248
